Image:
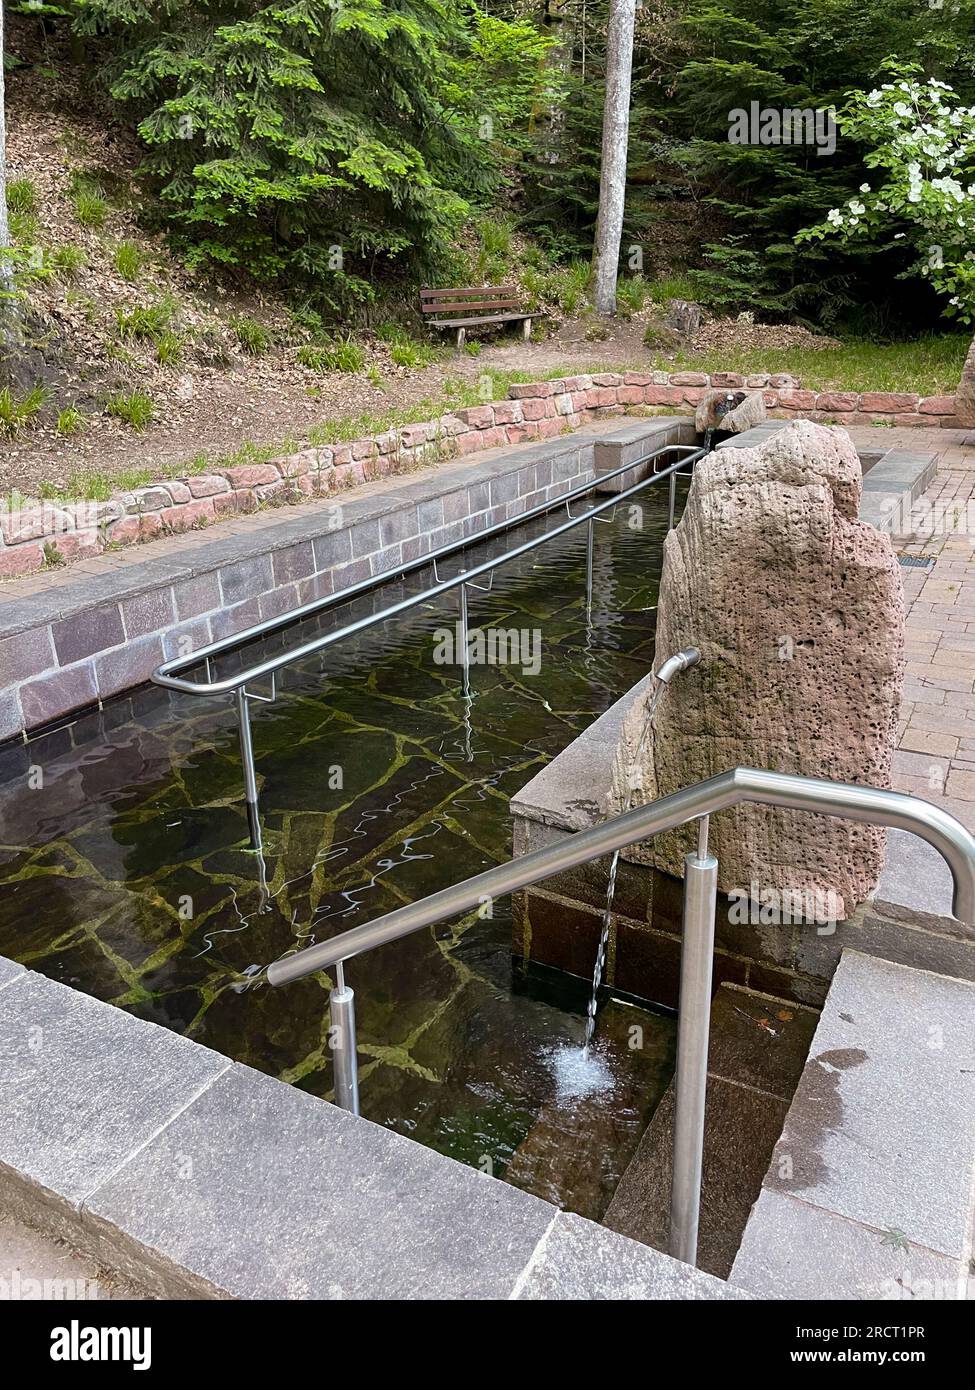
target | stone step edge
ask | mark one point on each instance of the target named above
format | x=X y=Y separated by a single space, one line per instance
x=145 y=1217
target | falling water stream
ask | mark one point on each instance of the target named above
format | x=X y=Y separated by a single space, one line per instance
x=634 y=781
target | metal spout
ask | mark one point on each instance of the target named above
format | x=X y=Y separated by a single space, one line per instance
x=680 y=661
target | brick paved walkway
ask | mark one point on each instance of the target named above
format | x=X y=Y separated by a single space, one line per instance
x=936 y=748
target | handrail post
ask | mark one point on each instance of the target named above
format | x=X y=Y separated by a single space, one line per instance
x=247 y=758
x=465 y=644
x=672 y=507
x=589 y=548
x=693 y=1030
x=341 y=1037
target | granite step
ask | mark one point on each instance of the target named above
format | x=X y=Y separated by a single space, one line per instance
x=869 y=1192
x=758 y=1047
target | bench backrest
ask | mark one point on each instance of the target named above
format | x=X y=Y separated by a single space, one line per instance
x=469 y=298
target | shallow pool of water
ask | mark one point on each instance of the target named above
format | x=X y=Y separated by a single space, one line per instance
x=126 y=871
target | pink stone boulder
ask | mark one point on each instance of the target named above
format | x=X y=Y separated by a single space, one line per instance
x=797 y=608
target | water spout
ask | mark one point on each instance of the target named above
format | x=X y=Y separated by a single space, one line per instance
x=680 y=661
x=672 y=667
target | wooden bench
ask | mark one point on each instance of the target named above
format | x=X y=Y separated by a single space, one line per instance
x=492 y=299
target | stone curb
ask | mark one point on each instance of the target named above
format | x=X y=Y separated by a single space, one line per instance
x=197 y=1177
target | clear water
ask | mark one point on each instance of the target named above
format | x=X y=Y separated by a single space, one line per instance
x=126 y=873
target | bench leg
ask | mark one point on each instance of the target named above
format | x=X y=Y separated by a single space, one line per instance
x=526 y=329
x=461 y=338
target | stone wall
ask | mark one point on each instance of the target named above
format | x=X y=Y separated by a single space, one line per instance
x=73 y=638
x=36 y=535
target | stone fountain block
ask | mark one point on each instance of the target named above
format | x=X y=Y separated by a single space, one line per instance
x=797 y=607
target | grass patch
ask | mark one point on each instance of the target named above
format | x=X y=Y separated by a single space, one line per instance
x=71 y=420
x=343 y=356
x=135 y=408
x=90 y=207
x=930 y=365
x=674 y=287
x=169 y=349
x=415 y=355
x=21 y=197
x=128 y=260
x=252 y=336
x=631 y=293
x=65 y=261
x=18 y=410
x=147 y=322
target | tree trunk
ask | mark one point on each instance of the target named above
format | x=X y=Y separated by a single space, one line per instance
x=616 y=131
x=965 y=395
x=5 y=268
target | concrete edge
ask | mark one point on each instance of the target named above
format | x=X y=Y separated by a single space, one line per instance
x=584 y=1260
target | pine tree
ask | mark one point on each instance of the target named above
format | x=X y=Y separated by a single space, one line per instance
x=312 y=140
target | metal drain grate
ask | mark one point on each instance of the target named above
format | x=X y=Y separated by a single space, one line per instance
x=916 y=562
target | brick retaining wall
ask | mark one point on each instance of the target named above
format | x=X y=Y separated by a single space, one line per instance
x=35 y=535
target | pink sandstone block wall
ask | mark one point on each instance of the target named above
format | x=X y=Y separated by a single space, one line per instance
x=36 y=534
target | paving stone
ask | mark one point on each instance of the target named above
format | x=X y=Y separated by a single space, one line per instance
x=882 y=1127
x=86 y=633
x=50 y=697
x=9 y=970
x=82 y=1087
x=148 y=612
x=582 y=1261
x=284 y=1196
x=796 y=1251
x=26 y=655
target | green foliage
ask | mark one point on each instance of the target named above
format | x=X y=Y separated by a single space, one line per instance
x=134 y=407
x=147 y=322
x=90 y=205
x=71 y=420
x=804 y=55
x=921 y=163
x=252 y=336
x=316 y=142
x=21 y=197
x=128 y=260
x=19 y=409
x=65 y=261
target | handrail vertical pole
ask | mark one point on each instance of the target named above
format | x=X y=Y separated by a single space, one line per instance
x=589 y=548
x=465 y=645
x=693 y=1030
x=247 y=758
x=673 y=502
x=345 y=1064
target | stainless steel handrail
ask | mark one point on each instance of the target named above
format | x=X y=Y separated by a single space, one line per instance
x=165 y=673
x=744 y=784
x=847 y=800
x=236 y=686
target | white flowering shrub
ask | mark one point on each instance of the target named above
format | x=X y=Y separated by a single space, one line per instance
x=923 y=153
